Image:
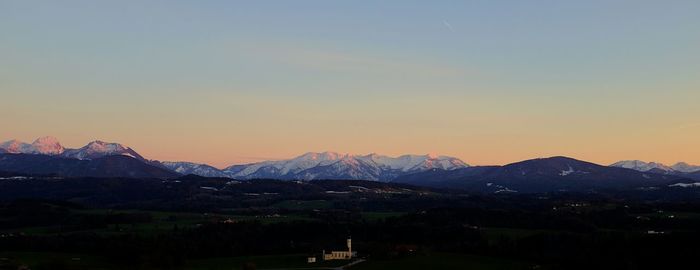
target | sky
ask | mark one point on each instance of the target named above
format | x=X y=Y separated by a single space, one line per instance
x=227 y=82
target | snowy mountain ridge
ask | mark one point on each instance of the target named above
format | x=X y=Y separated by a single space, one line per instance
x=309 y=166
x=642 y=166
x=185 y=168
x=97 y=149
x=332 y=165
x=50 y=146
x=44 y=145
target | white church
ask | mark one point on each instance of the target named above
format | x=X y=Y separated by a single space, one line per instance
x=340 y=255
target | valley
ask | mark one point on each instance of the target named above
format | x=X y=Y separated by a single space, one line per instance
x=269 y=224
x=104 y=206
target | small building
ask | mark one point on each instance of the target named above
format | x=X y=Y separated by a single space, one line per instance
x=229 y=221
x=311 y=259
x=341 y=255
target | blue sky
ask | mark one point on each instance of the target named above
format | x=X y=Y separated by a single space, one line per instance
x=487 y=81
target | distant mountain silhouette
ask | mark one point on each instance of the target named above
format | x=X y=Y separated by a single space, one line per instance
x=540 y=175
x=46 y=156
x=107 y=166
x=680 y=169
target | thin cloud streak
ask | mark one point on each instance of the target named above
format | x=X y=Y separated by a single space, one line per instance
x=448 y=25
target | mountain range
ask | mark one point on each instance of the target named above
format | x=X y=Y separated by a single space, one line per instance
x=46 y=156
x=50 y=146
x=540 y=175
x=186 y=168
x=681 y=169
x=642 y=166
x=330 y=165
x=46 y=153
x=107 y=166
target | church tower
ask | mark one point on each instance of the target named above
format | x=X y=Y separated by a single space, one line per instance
x=350 y=246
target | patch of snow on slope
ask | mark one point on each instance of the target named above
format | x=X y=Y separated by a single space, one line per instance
x=17 y=147
x=686 y=185
x=567 y=172
x=47 y=146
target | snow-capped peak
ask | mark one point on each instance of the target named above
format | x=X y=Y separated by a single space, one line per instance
x=647 y=166
x=97 y=149
x=407 y=163
x=44 y=145
x=16 y=147
x=321 y=157
x=185 y=168
x=104 y=147
x=685 y=167
x=328 y=164
x=47 y=146
x=641 y=166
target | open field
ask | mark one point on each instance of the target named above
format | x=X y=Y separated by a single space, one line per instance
x=260 y=262
x=375 y=216
x=53 y=261
x=303 y=205
x=70 y=261
x=437 y=261
x=499 y=232
x=149 y=222
x=443 y=261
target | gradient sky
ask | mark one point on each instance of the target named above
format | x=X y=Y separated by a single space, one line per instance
x=224 y=82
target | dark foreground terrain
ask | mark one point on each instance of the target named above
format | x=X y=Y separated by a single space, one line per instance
x=218 y=223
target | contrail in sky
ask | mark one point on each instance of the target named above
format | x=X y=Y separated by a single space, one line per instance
x=448 y=25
